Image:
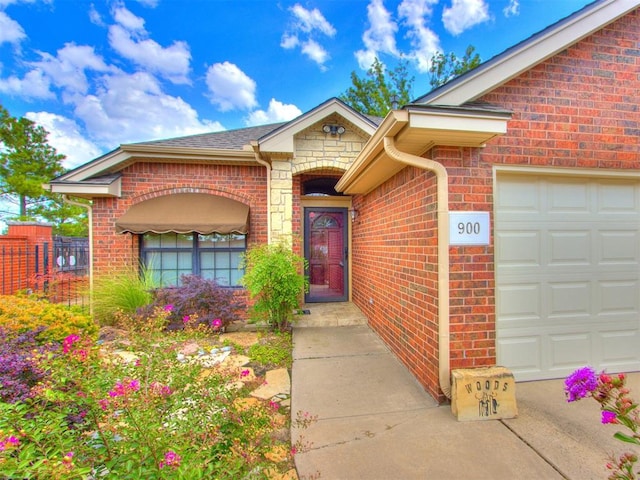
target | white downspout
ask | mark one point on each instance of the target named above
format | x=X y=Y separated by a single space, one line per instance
x=89 y=208
x=266 y=164
x=442 y=185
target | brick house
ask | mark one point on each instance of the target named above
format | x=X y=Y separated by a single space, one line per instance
x=495 y=220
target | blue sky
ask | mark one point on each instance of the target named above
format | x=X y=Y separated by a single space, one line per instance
x=99 y=74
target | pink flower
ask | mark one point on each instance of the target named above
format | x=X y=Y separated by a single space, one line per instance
x=168 y=308
x=68 y=342
x=160 y=390
x=244 y=373
x=609 y=417
x=171 y=459
x=186 y=319
x=216 y=324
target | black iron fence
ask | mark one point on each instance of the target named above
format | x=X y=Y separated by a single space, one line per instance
x=58 y=269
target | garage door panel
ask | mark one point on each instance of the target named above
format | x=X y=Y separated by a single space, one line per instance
x=568 y=197
x=520 y=303
x=618 y=247
x=521 y=248
x=522 y=354
x=619 y=296
x=619 y=348
x=569 y=247
x=569 y=299
x=618 y=197
x=567 y=274
x=569 y=351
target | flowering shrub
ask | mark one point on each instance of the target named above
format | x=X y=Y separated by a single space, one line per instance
x=20 y=369
x=53 y=321
x=617 y=407
x=199 y=301
x=95 y=415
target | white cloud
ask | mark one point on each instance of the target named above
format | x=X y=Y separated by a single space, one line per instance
x=513 y=9
x=289 y=41
x=129 y=38
x=128 y=20
x=424 y=41
x=230 y=88
x=34 y=85
x=132 y=108
x=68 y=68
x=277 y=112
x=464 y=14
x=310 y=20
x=66 y=137
x=315 y=52
x=379 y=37
x=10 y=30
x=302 y=32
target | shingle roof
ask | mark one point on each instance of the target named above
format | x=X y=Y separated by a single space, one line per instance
x=225 y=140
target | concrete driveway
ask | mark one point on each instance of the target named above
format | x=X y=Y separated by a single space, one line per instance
x=374 y=421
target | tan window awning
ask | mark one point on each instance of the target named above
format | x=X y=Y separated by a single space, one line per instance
x=184 y=213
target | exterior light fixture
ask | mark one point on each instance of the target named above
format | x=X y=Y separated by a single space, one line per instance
x=353 y=213
x=333 y=129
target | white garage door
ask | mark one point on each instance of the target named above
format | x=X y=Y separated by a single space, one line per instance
x=567 y=274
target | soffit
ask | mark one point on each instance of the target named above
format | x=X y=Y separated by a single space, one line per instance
x=416 y=131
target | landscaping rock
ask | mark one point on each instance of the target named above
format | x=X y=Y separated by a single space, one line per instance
x=276 y=382
x=244 y=339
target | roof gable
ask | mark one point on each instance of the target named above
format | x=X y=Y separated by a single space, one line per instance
x=525 y=55
x=282 y=139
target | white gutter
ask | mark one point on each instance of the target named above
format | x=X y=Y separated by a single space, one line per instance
x=267 y=165
x=90 y=225
x=442 y=185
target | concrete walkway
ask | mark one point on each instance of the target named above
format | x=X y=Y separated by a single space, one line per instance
x=374 y=421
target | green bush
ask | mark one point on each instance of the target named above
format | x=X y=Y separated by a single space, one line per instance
x=124 y=291
x=274 y=279
x=19 y=314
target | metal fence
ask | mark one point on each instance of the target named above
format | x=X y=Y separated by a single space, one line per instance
x=57 y=269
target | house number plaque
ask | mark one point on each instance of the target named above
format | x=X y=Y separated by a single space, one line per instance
x=468 y=228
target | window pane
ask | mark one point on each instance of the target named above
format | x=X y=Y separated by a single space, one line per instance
x=151 y=240
x=222 y=260
x=206 y=261
x=168 y=240
x=222 y=277
x=237 y=241
x=169 y=260
x=184 y=241
x=236 y=259
x=185 y=261
x=236 y=275
x=169 y=278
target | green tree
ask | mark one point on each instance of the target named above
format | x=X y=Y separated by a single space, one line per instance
x=27 y=162
x=375 y=93
x=447 y=66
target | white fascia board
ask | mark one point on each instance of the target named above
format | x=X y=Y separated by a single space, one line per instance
x=113 y=189
x=282 y=140
x=506 y=66
x=455 y=122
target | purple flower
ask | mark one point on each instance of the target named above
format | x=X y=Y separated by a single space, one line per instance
x=171 y=459
x=580 y=383
x=609 y=417
x=168 y=308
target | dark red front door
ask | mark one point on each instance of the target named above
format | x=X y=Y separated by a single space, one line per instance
x=325 y=250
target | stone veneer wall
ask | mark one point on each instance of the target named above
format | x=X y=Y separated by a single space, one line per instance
x=314 y=151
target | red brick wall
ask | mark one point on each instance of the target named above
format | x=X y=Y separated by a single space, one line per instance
x=145 y=180
x=18 y=267
x=578 y=109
